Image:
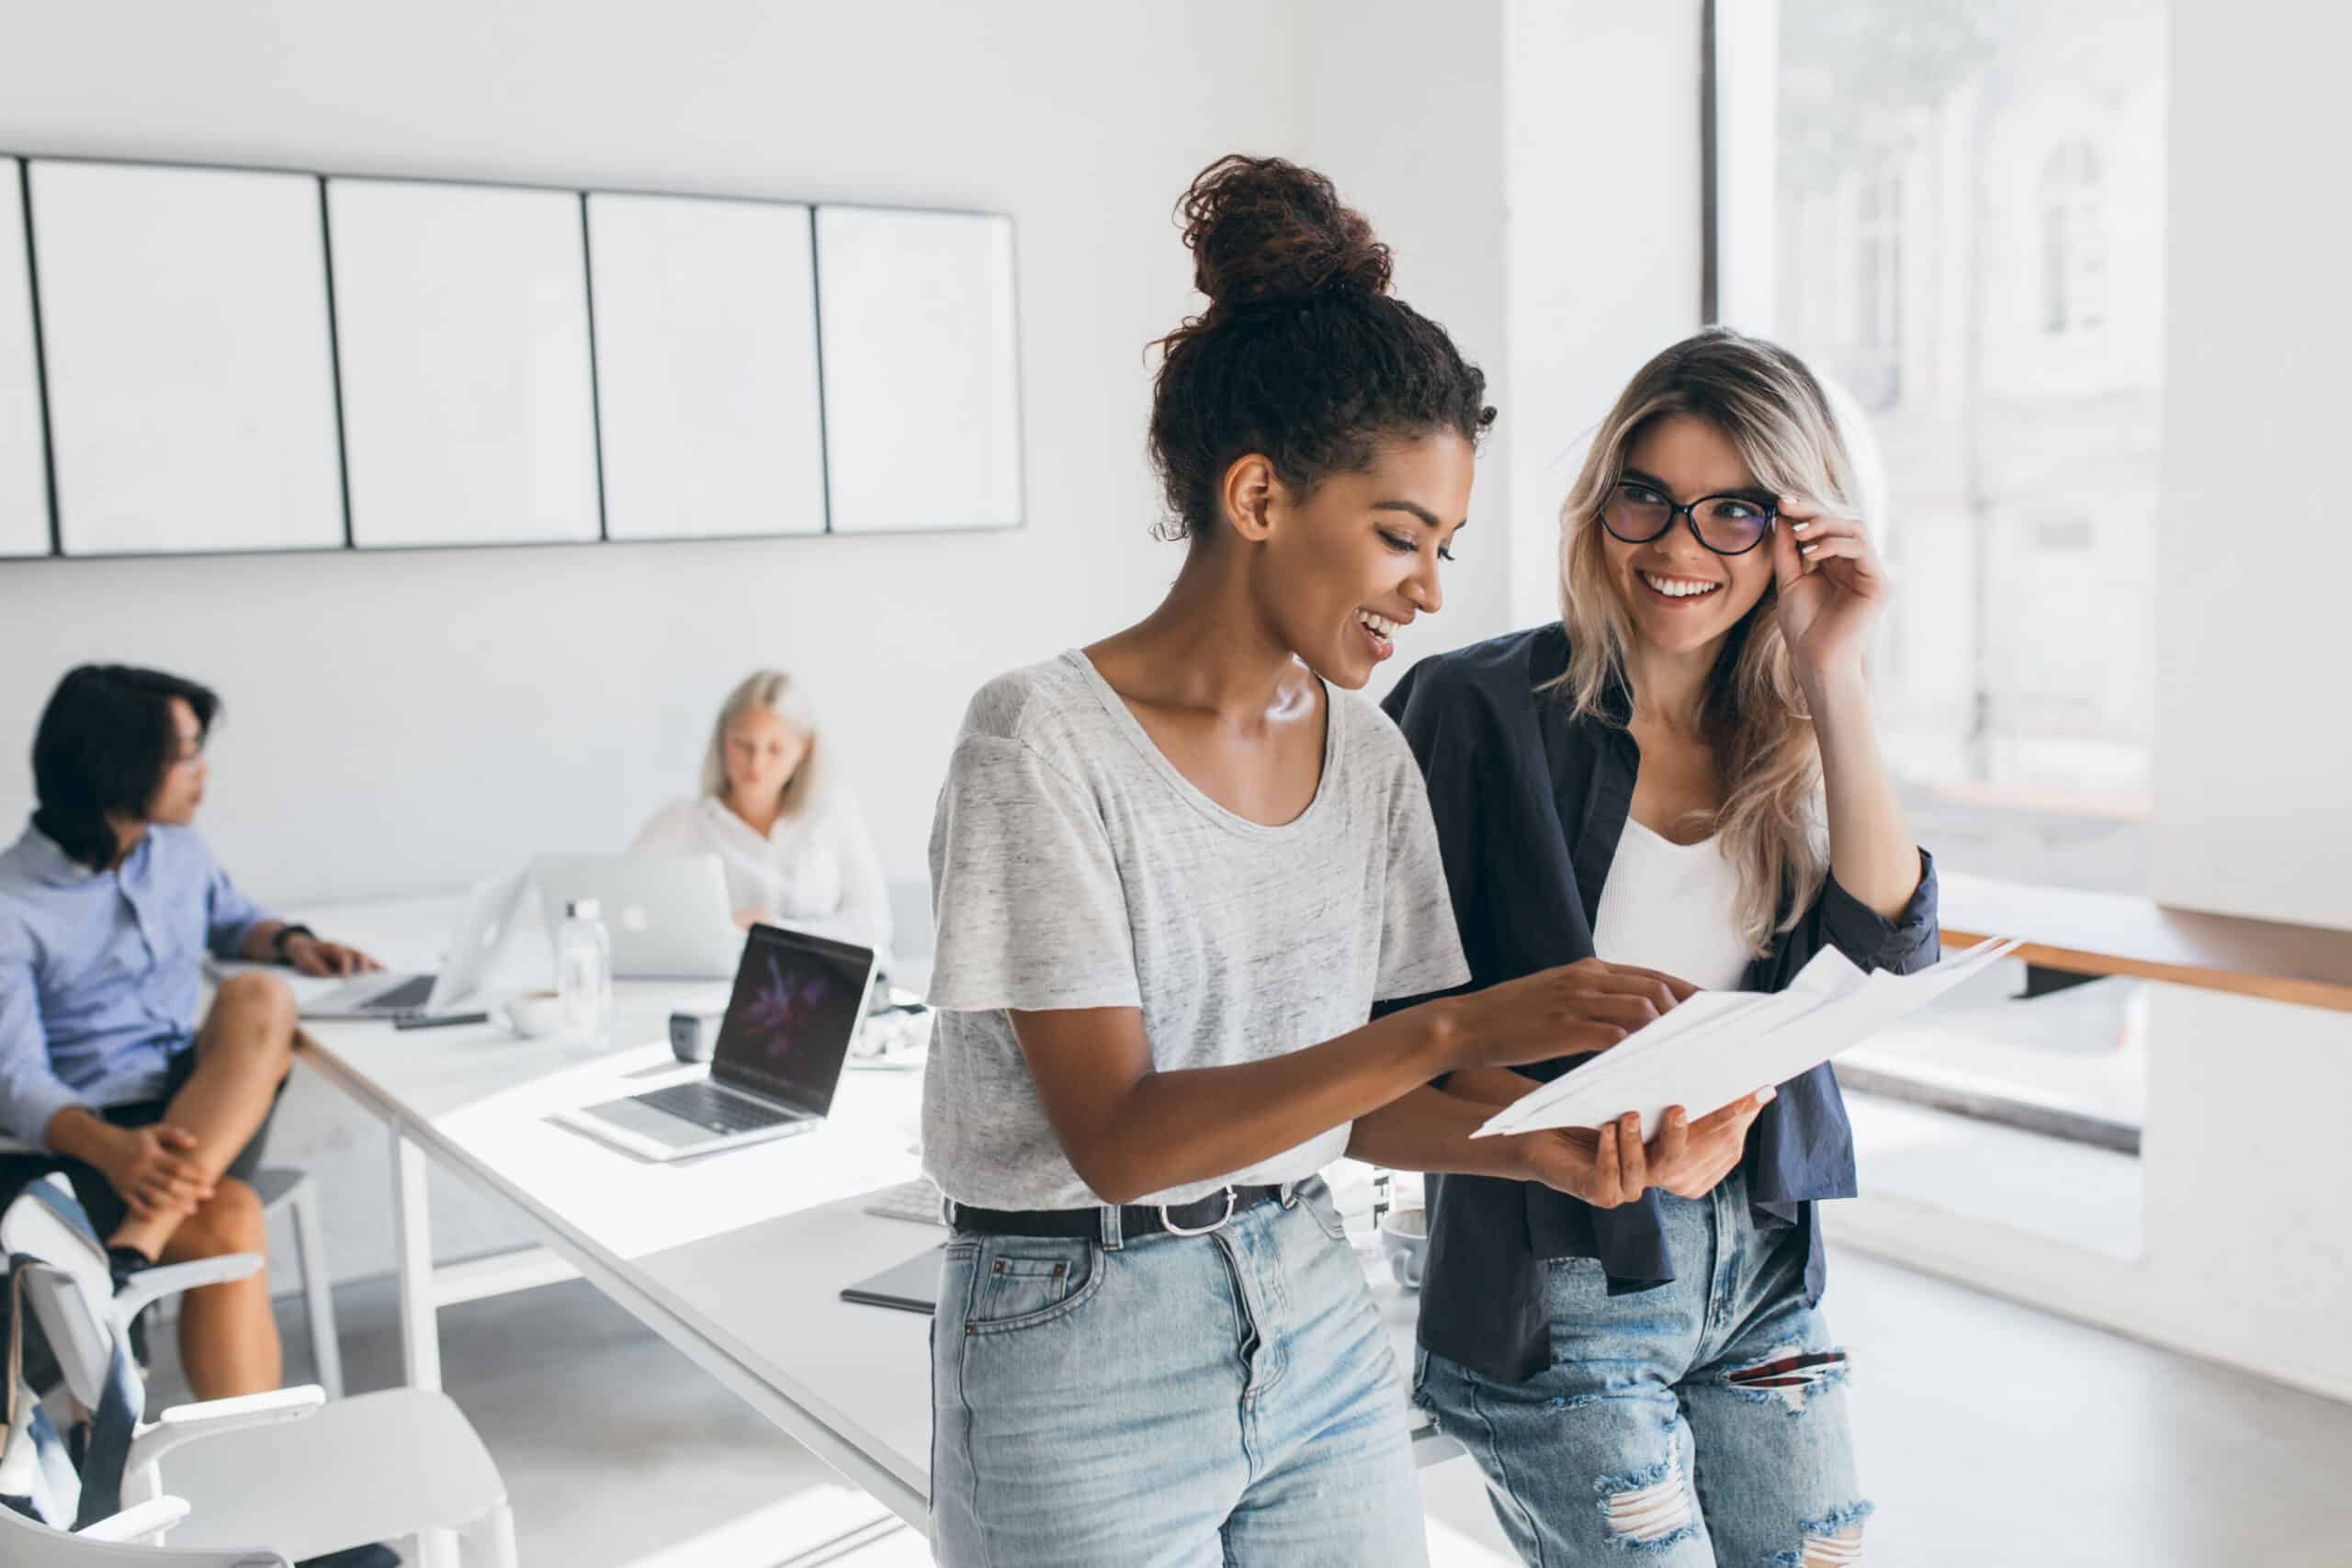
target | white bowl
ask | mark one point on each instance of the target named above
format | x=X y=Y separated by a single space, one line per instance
x=534 y=1014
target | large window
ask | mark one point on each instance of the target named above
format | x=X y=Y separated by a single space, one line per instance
x=1964 y=230
x=1954 y=210
x=2074 y=240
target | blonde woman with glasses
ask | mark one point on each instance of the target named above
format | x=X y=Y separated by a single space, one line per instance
x=794 y=849
x=1683 y=774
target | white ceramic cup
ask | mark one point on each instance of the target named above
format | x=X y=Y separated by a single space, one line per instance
x=1405 y=1237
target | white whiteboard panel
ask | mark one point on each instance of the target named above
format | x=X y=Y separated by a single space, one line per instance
x=462 y=317
x=705 y=367
x=191 y=387
x=923 y=384
x=24 y=479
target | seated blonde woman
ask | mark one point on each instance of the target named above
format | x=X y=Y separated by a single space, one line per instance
x=795 y=852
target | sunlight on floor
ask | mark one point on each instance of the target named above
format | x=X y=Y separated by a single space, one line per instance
x=798 y=1524
x=1448 y=1548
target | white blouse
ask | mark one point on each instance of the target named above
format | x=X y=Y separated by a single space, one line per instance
x=814 y=871
x=1673 y=907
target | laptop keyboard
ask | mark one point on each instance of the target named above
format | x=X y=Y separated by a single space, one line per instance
x=714 y=1108
x=406 y=996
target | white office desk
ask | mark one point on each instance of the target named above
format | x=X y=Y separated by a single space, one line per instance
x=736 y=1258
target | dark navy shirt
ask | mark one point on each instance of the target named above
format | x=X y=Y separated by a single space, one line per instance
x=1529 y=802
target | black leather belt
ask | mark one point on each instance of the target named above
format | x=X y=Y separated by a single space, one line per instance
x=1196 y=1218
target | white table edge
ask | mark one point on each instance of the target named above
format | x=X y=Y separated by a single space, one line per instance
x=609 y=1275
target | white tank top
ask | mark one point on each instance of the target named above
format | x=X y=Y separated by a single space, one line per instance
x=1672 y=907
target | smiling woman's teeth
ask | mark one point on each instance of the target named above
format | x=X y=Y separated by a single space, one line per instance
x=1380 y=626
x=1680 y=588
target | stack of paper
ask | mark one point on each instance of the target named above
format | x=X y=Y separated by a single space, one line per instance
x=1721 y=1045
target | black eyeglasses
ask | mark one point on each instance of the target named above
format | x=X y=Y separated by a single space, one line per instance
x=1727 y=525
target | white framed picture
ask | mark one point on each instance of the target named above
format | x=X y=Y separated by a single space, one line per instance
x=922 y=369
x=24 y=461
x=462 y=316
x=185 y=329
x=708 y=397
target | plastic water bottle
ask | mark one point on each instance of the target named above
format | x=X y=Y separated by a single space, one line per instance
x=584 y=978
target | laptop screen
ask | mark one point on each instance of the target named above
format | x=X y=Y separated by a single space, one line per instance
x=796 y=1002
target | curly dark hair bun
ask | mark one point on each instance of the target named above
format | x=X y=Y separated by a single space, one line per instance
x=1264 y=230
x=1303 y=356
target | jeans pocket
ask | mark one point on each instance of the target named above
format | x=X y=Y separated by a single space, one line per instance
x=1021 y=1282
x=1315 y=1194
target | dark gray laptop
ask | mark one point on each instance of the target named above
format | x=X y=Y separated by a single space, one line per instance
x=798 y=1001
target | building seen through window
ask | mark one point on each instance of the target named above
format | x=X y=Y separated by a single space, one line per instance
x=1967 y=233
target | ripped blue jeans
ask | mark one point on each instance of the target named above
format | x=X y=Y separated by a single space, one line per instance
x=1698 y=1424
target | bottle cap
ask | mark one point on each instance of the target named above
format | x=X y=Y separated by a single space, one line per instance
x=584 y=910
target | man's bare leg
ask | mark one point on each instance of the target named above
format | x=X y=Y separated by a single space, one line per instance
x=243 y=1054
x=228 y=1334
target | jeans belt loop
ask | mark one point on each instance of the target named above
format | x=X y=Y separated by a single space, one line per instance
x=1231 y=1198
x=1113 y=1238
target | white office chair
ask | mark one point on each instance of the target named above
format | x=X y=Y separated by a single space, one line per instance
x=280 y=1186
x=120 y=1542
x=284 y=1467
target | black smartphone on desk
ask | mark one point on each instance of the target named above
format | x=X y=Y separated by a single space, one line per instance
x=439 y=1019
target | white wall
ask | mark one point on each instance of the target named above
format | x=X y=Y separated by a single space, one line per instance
x=1407 y=120
x=406 y=722
x=1535 y=163
x=1603 y=244
x=2253 y=753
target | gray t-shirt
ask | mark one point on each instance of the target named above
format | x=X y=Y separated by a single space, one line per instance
x=1073 y=867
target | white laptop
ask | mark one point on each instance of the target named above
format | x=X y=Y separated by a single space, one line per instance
x=474 y=946
x=667 y=915
x=798 y=1001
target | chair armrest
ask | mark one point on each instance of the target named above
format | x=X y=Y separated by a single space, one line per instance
x=152 y=1285
x=214 y=1417
x=149 y=1518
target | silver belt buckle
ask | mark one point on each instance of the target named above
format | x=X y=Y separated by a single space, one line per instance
x=1174 y=1229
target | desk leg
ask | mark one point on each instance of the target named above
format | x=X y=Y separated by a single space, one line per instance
x=420 y=1334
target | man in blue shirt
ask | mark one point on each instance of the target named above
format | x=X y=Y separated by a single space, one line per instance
x=108 y=905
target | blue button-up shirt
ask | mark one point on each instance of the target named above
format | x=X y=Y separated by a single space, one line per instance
x=100 y=970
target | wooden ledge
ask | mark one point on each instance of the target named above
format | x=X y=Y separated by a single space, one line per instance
x=2114 y=933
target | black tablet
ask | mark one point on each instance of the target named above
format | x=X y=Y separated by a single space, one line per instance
x=911 y=1286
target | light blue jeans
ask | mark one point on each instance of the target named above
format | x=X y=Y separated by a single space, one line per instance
x=1698 y=1425
x=1174 y=1402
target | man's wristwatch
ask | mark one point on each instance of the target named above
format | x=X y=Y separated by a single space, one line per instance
x=277 y=943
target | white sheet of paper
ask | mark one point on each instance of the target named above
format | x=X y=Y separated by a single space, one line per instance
x=1721 y=1045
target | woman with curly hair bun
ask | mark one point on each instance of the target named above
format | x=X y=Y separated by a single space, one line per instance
x=1173 y=871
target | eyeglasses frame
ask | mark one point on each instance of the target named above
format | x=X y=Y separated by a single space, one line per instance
x=1690 y=520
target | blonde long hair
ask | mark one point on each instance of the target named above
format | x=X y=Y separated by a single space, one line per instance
x=1773 y=412
x=788 y=700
